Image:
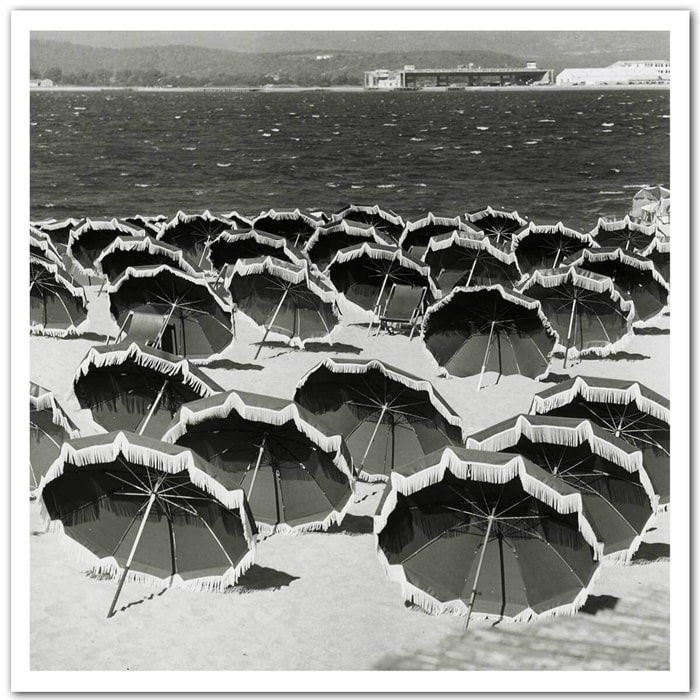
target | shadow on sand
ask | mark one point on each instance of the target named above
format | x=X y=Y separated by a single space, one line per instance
x=652 y=330
x=352 y=525
x=229 y=364
x=596 y=603
x=261 y=578
x=650 y=552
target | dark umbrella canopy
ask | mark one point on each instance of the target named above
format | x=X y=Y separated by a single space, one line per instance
x=365 y=273
x=386 y=416
x=110 y=492
x=239 y=221
x=634 y=276
x=40 y=243
x=627 y=410
x=151 y=224
x=196 y=320
x=488 y=535
x=58 y=305
x=547 y=246
x=618 y=498
x=497 y=224
x=91 y=237
x=459 y=260
x=478 y=329
x=659 y=252
x=587 y=310
x=285 y=298
x=338 y=234
x=296 y=477
x=230 y=246
x=50 y=427
x=59 y=230
x=383 y=220
x=134 y=387
x=139 y=251
x=625 y=233
x=291 y=224
x=419 y=232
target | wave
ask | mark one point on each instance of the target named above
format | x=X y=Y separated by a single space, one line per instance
x=223 y=165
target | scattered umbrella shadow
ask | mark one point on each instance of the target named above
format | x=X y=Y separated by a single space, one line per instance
x=261 y=578
x=596 y=603
x=89 y=335
x=353 y=525
x=37 y=533
x=333 y=347
x=622 y=355
x=652 y=330
x=151 y=596
x=554 y=378
x=652 y=552
x=229 y=364
x=369 y=495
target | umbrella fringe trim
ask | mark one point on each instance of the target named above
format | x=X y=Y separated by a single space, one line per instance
x=375 y=209
x=101 y=225
x=345 y=228
x=626 y=222
x=182 y=218
x=624 y=557
x=618 y=254
x=545 y=229
x=38 y=329
x=146 y=244
x=290 y=215
x=58 y=415
x=476 y=216
x=333 y=519
x=59 y=273
x=456 y=238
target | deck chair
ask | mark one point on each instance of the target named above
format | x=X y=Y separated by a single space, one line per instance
x=449 y=279
x=404 y=306
x=142 y=327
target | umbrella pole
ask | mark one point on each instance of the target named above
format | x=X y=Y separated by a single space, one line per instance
x=471 y=272
x=272 y=320
x=204 y=250
x=163 y=326
x=257 y=466
x=486 y=356
x=571 y=328
x=556 y=258
x=131 y=554
x=374 y=434
x=378 y=303
x=153 y=408
x=472 y=597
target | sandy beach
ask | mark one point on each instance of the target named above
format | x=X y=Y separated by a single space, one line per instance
x=321 y=601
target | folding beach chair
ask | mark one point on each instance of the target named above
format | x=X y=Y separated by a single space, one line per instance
x=143 y=327
x=404 y=306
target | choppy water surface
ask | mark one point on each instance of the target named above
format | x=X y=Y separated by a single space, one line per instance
x=559 y=155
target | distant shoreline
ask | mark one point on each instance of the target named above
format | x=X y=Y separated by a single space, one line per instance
x=349 y=88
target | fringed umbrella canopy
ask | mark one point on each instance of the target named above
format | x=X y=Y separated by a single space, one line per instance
x=418 y=233
x=40 y=243
x=59 y=230
x=50 y=427
x=627 y=410
x=58 y=305
x=387 y=417
x=364 y=273
x=239 y=221
x=625 y=233
x=634 y=276
x=288 y=223
x=618 y=498
x=478 y=329
x=153 y=510
x=342 y=233
x=459 y=260
x=285 y=298
x=497 y=224
x=547 y=246
x=151 y=224
x=296 y=476
x=383 y=220
x=135 y=387
x=196 y=322
x=230 y=246
x=193 y=234
x=138 y=251
x=91 y=237
x=587 y=310
x=487 y=535
x=659 y=252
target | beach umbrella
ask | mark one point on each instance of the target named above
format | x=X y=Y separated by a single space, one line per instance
x=196 y=320
x=288 y=299
x=635 y=277
x=137 y=251
x=486 y=535
x=296 y=476
x=150 y=224
x=659 y=252
x=626 y=409
x=365 y=273
x=655 y=199
x=625 y=233
x=499 y=225
x=547 y=246
x=618 y=498
x=384 y=220
x=459 y=260
x=477 y=329
x=291 y=224
x=40 y=244
x=231 y=246
x=49 y=427
x=193 y=234
x=239 y=221
x=331 y=237
x=91 y=237
x=58 y=305
x=59 y=230
x=152 y=510
x=585 y=308
x=134 y=387
x=386 y=416
x=417 y=234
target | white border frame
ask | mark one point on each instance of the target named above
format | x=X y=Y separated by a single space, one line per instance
x=636 y=17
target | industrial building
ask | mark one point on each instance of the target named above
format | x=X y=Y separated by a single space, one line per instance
x=619 y=73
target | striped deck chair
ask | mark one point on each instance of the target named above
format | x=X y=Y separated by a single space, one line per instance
x=404 y=307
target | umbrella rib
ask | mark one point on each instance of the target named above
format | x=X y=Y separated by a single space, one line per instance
x=43 y=431
x=431 y=541
x=484 y=514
